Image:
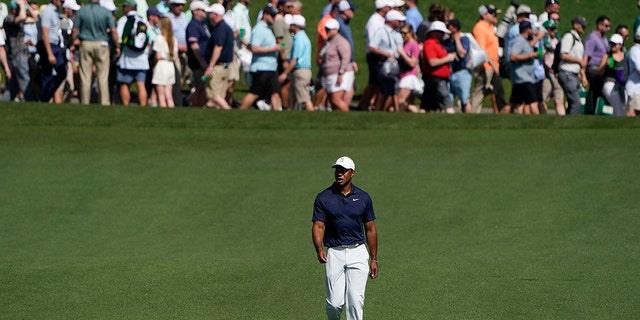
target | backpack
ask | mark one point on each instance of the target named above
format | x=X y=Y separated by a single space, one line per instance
x=476 y=55
x=557 y=55
x=135 y=34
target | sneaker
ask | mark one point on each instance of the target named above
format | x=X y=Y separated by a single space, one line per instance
x=263 y=106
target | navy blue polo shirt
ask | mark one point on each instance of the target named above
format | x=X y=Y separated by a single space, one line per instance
x=197 y=32
x=343 y=216
x=221 y=35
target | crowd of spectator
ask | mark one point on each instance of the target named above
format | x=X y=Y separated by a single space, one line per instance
x=63 y=50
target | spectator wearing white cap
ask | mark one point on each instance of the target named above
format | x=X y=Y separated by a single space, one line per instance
x=93 y=27
x=376 y=21
x=197 y=40
x=336 y=67
x=220 y=56
x=346 y=12
x=436 y=71
x=68 y=86
x=385 y=43
x=613 y=68
x=299 y=66
x=321 y=40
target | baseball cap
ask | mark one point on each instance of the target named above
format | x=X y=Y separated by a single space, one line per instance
x=487 y=8
x=127 y=3
x=550 y=24
x=343 y=6
x=523 y=9
x=109 y=5
x=332 y=24
x=71 y=4
x=395 y=15
x=298 y=20
x=438 y=26
x=283 y=2
x=383 y=3
x=270 y=11
x=455 y=23
x=153 y=11
x=177 y=2
x=399 y=3
x=287 y=19
x=345 y=162
x=215 y=8
x=550 y=2
x=580 y=20
x=524 y=25
x=198 y=5
x=616 y=38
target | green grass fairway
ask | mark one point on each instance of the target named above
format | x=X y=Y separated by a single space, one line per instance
x=133 y=213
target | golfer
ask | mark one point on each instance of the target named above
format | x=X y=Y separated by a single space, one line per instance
x=339 y=214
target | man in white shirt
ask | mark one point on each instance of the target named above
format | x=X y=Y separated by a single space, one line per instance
x=632 y=86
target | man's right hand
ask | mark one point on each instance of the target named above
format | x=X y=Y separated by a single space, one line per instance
x=322 y=256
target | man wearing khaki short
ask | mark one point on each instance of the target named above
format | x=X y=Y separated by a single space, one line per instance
x=220 y=51
x=299 y=64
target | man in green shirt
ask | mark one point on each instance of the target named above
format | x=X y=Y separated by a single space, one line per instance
x=93 y=26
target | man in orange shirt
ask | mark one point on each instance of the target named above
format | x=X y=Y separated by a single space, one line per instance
x=486 y=77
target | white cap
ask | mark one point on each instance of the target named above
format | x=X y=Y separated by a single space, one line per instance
x=343 y=6
x=298 y=20
x=177 y=1
x=395 y=15
x=523 y=8
x=438 y=26
x=197 y=5
x=216 y=8
x=287 y=19
x=332 y=24
x=345 y=162
x=616 y=38
x=398 y=3
x=383 y=3
x=72 y=4
x=109 y=5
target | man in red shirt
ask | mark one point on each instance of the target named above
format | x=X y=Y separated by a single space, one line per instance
x=436 y=70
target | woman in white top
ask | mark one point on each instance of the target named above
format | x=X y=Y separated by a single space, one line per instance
x=164 y=71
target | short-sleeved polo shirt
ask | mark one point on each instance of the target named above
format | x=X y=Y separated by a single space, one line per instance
x=92 y=22
x=222 y=36
x=197 y=33
x=50 y=18
x=179 y=24
x=301 y=50
x=262 y=36
x=522 y=71
x=343 y=216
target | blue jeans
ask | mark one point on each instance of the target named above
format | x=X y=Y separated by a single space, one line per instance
x=461 y=86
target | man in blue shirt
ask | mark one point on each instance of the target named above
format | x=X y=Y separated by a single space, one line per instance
x=300 y=63
x=414 y=17
x=197 y=39
x=53 y=60
x=522 y=55
x=220 y=55
x=264 y=63
x=343 y=219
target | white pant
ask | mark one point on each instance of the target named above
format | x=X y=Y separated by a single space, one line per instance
x=347 y=270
